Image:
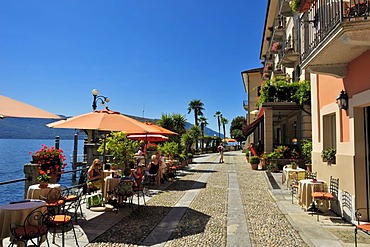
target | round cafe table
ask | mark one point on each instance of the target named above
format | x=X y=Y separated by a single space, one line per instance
x=110 y=184
x=305 y=189
x=35 y=192
x=16 y=213
x=113 y=172
x=287 y=172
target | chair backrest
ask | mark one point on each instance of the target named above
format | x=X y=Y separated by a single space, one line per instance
x=334 y=185
x=54 y=194
x=311 y=175
x=35 y=225
x=125 y=187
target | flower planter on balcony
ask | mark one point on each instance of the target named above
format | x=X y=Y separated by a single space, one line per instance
x=305 y=5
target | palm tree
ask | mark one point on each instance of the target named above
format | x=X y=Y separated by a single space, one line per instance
x=196 y=105
x=166 y=121
x=179 y=123
x=218 y=114
x=224 y=121
x=203 y=123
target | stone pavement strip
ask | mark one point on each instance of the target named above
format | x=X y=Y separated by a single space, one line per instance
x=213 y=204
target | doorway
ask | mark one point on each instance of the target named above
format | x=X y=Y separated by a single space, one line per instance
x=367 y=154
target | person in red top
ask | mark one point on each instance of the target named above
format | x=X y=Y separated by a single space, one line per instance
x=138 y=175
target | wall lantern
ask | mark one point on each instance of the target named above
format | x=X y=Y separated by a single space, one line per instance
x=342 y=100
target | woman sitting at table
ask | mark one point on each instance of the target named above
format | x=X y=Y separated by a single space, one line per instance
x=95 y=175
x=138 y=175
x=153 y=168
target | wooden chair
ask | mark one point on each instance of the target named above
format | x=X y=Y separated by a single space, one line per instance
x=323 y=194
x=364 y=227
x=34 y=228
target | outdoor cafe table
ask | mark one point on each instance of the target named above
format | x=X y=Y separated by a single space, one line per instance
x=112 y=171
x=305 y=189
x=34 y=191
x=15 y=213
x=110 y=184
x=287 y=172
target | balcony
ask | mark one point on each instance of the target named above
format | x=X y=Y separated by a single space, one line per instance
x=245 y=105
x=285 y=9
x=330 y=26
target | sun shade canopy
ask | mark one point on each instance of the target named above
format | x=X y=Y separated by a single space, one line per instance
x=13 y=108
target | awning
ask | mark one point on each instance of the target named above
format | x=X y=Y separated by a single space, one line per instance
x=252 y=126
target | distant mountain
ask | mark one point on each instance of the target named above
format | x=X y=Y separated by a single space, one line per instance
x=34 y=128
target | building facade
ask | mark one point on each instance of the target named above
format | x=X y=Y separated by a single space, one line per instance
x=325 y=42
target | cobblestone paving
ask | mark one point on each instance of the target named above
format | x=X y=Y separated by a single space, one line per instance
x=204 y=224
x=267 y=225
x=194 y=230
x=133 y=229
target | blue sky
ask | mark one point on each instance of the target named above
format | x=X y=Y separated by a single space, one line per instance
x=148 y=56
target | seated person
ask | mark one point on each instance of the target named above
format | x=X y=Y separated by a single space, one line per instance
x=128 y=176
x=138 y=175
x=95 y=175
x=153 y=168
x=125 y=189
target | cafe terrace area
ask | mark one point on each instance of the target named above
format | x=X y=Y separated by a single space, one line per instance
x=213 y=204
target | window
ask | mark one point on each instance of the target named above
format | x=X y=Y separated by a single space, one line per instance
x=329 y=131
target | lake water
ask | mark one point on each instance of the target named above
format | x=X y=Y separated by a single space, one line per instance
x=14 y=153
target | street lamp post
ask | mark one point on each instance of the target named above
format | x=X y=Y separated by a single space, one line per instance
x=97 y=97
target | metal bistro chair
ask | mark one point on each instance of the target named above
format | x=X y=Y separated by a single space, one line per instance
x=62 y=221
x=364 y=227
x=311 y=175
x=54 y=200
x=139 y=190
x=34 y=228
x=124 y=192
x=332 y=195
x=73 y=196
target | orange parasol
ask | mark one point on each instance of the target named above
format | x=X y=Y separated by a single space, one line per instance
x=14 y=108
x=164 y=131
x=105 y=120
x=230 y=140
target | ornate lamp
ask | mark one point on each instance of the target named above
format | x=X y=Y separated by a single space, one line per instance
x=97 y=97
x=342 y=100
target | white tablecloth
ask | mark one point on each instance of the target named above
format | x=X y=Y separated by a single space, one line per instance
x=305 y=190
x=34 y=191
x=15 y=213
x=287 y=172
x=110 y=184
x=114 y=171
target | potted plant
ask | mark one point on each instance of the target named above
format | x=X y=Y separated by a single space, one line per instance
x=301 y=5
x=43 y=179
x=254 y=161
x=51 y=161
x=328 y=155
x=306 y=148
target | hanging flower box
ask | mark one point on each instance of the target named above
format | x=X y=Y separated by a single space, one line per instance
x=301 y=6
x=275 y=47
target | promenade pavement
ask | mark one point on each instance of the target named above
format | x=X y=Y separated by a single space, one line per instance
x=213 y=204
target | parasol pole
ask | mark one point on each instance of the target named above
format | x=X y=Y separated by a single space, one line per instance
x=104 y=151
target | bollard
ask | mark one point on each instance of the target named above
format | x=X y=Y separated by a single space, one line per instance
x=74 y=157
x=57 y=142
